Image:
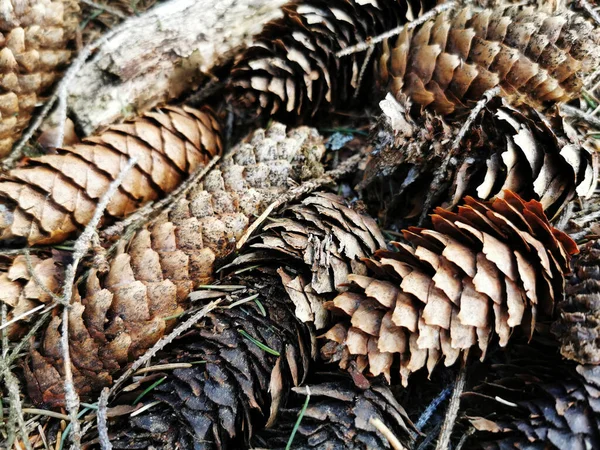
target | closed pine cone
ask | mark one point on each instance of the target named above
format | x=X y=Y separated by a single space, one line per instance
x=535 y=57
x=478 y=273
x=521 y=150
x=35 y=45
x=122 y=312
x=54 y=196
x=578 y=328
x=292 y=68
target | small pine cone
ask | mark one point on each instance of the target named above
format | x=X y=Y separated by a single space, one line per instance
x=54 y=196
x=505 y=148
x=536 y=402
x=245 y=359
x=321 y=238
x=449 y=62
x=578 y=328
x=122 y=312
x=479 y=272
x=340 y=416
x=292 y=68
x=35 y=36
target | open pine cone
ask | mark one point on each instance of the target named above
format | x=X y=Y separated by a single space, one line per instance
x=477 y=274
x=52 y=197
x=35 y=41
x=505 y=148
x=292 y=67
x=578 y=328
x=536 y=58
x=122 y=310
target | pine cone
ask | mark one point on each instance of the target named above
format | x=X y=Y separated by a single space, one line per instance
x=521 y=150
x=322 y=239
x=478 y=273
x=122 y=313
x=449 y=62
x=578 y=328
x=536 y=402
x=340 y=417
x=54 y=196
x=292 y=68
x=35 y=37
x=238 y=385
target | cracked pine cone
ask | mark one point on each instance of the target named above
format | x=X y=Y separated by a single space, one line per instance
x=35 y=41
x=292 y=68
x=54 y=196
x=578 y=328
x=251 y=355
x=339 y=416
x=537 y=58
x=535 y=402
x=478 y=273
x=122 y=311
x=505 y=148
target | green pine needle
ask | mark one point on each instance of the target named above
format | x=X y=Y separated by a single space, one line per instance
x=300 y=416
x=259 y=344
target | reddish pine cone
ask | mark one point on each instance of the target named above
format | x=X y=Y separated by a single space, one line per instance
x=449 y=62
x=479 y=272
x=35 y=37
x=52 y=197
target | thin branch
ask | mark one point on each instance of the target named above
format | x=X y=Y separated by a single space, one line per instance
x=80 y=249
x=363 y=69
x=22 y=316
x=590 y=10
x=102 y=422
x=579 y=114
x=387 y=433
x=486 y=98
x=453 y=407
x=108 y=9
x=362 y=46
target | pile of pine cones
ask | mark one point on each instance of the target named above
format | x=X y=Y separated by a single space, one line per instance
x=249 y=306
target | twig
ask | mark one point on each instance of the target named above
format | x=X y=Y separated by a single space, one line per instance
x=108 y=9
x=487 y=96
x=431 y=408
x=22 y=316
x=102 y=422
x=387 y=433
x=80 y=249
x=309 y=186
x=579 y=114
x=453 y=407
x=61 y=111
x=362 y=46
x=590 y=10
x=24 y=342
x=363 y=69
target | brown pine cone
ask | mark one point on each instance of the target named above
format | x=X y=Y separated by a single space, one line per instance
x=245 y=359
x=535 y=402
x=54 y=196
x=122 y=311
x=578 y=328
x=339 y=416
x=292 y=68
x=505 y=148
x=478 y=273
x=35 y=41
x=535 y=57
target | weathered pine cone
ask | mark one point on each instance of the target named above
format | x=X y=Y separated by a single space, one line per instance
x=314 y=245
x=449 y=62
x=535 y=401
x=339 y=416
x=578 y=328
x=478 y=273
x=122 y=311
x=505 y=148
x=250 y=357
x=35 y=41
x=52 y=197
x=292 y=68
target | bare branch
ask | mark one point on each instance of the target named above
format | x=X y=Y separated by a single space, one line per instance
x=579 y=114
x=108 y=9
x=102 y=422
x=453 y=407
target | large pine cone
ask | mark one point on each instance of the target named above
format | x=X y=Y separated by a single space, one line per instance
x=339 y=416
x=479 y=272
x=292 y=68
x=578 y=328
x=245 y=358
x=521 y=150
x=536 y=401
x=54 y=196
x=122 y=312
x=35 y=37
x=449 y=62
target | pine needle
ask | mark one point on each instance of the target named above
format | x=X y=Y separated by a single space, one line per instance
x=300 y=416
x=259 y=344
